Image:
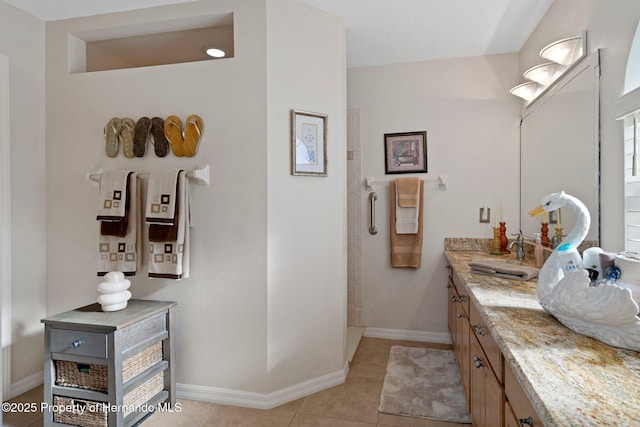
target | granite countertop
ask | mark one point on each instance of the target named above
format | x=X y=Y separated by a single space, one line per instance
x=571 y=379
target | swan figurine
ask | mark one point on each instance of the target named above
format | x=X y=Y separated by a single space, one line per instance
x=606 y=312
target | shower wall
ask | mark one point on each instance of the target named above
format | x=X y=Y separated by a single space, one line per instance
x=355 y=288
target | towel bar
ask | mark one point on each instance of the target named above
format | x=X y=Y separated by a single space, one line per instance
x=372 y=213
x=200 y=175
x=370 y=181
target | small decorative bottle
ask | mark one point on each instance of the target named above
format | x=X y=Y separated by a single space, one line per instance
x=504 y=241
x=544 y=234
x=495 y=246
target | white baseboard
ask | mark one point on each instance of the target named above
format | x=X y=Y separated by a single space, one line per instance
x=225 y=396
x=25 y=384
x=408 y=335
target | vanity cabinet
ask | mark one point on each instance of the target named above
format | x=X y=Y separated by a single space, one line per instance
x=479 y=358
x=109 y=368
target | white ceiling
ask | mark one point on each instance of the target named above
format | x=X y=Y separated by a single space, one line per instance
x=378 y=31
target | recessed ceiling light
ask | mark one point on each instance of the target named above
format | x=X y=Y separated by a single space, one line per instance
x=214 y=52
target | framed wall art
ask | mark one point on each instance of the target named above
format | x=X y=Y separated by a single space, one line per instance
x=308 y=143
x=405 y=152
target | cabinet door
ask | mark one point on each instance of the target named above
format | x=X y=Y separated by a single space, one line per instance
x=493 y=399
x=451 y=304
x=477 y=378
x=486 y=392
x=465 y=360
x=510 y=419
x=518 y=400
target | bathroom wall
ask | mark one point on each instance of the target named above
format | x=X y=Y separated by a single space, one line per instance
x=264 y=307
x=22 y=42
x=610 y=27
x=306 y=249
x=472 y=138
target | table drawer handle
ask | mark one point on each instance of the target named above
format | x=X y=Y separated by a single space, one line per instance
x=528 y=421
x=76 y=344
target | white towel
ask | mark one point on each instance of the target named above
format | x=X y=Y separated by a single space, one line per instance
x=170 y=259
x=161 y=196
x=406 y=218
x=111 y=200
x=121 y=253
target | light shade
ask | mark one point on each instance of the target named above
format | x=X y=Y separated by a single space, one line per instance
x=214 y=52
x=545 y=74
x=565 y=51
x=527 y=91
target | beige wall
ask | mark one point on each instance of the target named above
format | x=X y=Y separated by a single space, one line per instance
x=248 y=319
x=22 y=42
x=472 y=137
x=306 y=70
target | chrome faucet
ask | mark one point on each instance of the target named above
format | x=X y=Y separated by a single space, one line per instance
x=520 y=242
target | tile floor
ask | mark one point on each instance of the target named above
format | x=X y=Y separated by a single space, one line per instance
x=352 y=404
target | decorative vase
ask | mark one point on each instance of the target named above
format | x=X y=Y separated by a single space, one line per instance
x=113 y=293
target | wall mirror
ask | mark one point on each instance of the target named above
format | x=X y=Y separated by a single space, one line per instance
x=560 y=147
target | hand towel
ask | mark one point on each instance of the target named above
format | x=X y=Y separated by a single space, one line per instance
x=111 y=206
x=504 y=269
x=408 y=192
x=120 y=253
x=169 y=259
x=119 y=227
x=406 y=249
x=407 y=217
x=161 y=196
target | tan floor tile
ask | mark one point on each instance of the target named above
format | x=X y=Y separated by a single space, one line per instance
x=186 y=413
x=353 y=404
x=306 y=420
x=27 y=417
x=281 y=416
x=357 y=400
x=387 y=420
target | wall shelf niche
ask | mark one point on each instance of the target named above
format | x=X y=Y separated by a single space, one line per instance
x=150 y=44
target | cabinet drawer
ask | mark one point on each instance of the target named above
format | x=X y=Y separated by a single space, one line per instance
x=522 y=408
x=487 y=342
x=78 y=343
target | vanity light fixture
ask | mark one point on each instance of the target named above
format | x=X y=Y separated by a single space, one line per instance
x=214 y=52
x=565 y=51
x=527 y=91
x=563 y=54
x=545 y=74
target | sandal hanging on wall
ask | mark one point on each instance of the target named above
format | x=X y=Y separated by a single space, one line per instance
x=192 y=134
x=111 y=138
x=173 y=132
x=141 y=135
x=160 y=143
x=127 y=127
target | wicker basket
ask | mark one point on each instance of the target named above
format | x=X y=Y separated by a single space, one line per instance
x=95 y=414
x=94 y=377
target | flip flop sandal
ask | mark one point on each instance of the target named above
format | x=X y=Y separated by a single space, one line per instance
x=111 y=137
x=141 y=135
x=127 y=127
x=192 y=135
x=173 y=132
x=160 y=143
